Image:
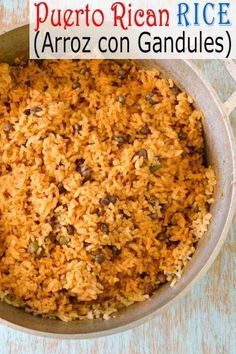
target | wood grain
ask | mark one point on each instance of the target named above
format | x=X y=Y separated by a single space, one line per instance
x=201 y=323
x=12 y=12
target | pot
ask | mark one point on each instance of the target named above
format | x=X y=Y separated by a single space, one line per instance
x=220 y=154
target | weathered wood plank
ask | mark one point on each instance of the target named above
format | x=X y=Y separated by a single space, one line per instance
x=12 y=12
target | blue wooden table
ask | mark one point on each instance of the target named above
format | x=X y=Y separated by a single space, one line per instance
x=204 y=322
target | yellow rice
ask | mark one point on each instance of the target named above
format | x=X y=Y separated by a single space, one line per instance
x=54 y=113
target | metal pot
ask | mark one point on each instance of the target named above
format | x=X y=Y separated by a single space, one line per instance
x=221 y=154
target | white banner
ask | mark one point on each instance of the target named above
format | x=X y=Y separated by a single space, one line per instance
x=188 y=29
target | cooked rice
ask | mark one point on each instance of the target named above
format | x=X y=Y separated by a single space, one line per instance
x=115 y=152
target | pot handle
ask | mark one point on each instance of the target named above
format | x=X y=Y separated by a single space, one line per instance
x=230 y=103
